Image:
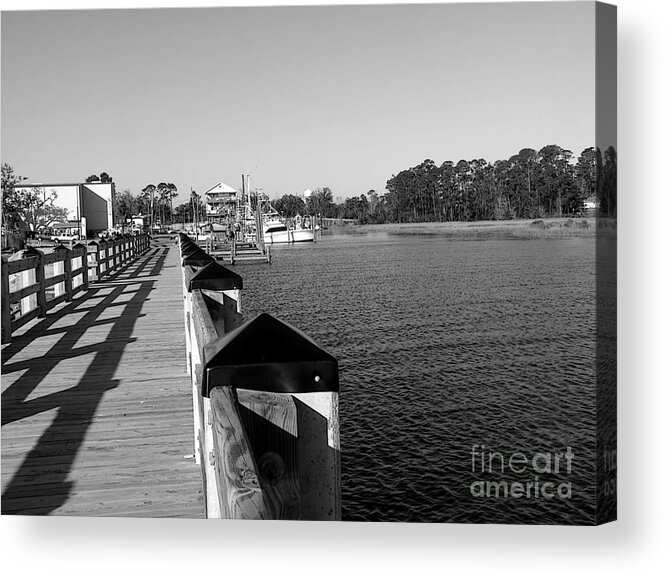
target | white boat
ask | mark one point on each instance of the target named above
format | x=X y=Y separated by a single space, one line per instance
x=277 y=231
x=257 y=221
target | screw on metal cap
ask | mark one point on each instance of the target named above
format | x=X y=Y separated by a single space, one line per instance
x=267 y=354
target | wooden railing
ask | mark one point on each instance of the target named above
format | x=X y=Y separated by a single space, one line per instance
x=106 y=256
x=265 y=404
x=37 y=282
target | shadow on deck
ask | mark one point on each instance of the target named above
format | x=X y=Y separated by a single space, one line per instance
x=41 y=483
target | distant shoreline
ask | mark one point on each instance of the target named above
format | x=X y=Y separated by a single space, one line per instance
x=532 y=228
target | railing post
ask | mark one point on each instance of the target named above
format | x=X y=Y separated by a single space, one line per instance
x=274 y=404
x=111 y=255
x=84 y=264
x=63 y=267
x=6 y=308
x=113 y=246
x=121 y=249
x=103 y=259
x=92 y=259
x=68 y=275
x=31 y=252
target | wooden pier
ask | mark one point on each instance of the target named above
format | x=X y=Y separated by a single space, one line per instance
x=236 y=252
x=144 y=394
x=96 y=401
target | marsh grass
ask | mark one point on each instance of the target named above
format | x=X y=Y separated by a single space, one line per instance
x=556 y=228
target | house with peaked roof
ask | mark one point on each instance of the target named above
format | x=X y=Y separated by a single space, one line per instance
x=221 y=201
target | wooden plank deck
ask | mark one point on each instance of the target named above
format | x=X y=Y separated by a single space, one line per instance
x=96 y=402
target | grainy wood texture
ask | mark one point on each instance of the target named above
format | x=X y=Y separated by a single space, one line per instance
x=239 y=493
x=96 y=406
x=275 y=455
x=270 y=423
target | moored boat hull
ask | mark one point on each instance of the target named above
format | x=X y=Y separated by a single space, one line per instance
x=289 y=236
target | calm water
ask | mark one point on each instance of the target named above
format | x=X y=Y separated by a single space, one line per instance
x=445 y=344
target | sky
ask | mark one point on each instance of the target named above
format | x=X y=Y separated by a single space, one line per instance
x=298 y=97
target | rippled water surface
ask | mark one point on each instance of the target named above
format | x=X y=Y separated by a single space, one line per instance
x=445 y=344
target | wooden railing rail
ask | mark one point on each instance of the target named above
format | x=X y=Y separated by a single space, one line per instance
x=37 y=282
x=265 y=404
x=106 y=256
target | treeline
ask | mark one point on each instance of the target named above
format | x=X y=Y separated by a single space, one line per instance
x=155 y=201
x=530 y=184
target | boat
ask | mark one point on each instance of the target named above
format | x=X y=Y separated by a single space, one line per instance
x=261 y=222
x=278 y=231
x=251 y=218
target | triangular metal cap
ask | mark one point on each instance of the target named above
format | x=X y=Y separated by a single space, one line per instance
x=78 y=245
x=215 y=277
x=267 y=354
x=198 y=260
x=189 y=249
x=31 y=252
x=60 y=247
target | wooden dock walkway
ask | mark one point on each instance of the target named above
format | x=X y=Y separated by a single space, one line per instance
x=96 y=402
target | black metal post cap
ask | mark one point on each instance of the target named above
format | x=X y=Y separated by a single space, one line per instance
x=267 y=354
x=213 y=276
x=31 y=252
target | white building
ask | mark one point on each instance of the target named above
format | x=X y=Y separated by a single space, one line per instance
x=90 y=204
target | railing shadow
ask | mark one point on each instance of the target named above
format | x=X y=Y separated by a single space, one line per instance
x=41 y=485
x=128 y=271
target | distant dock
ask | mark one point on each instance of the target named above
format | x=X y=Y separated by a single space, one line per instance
x=235 y=252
